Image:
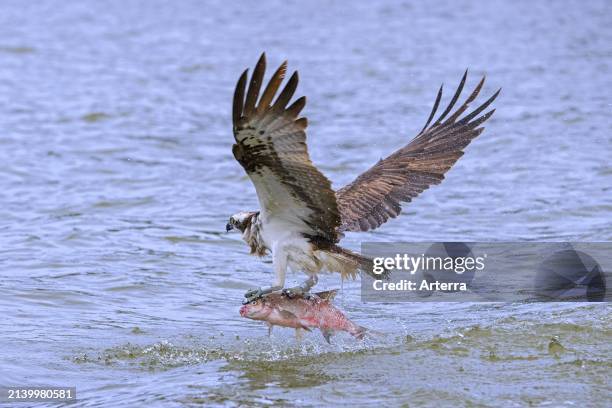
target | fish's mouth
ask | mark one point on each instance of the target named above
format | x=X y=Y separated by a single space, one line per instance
x=243 y=311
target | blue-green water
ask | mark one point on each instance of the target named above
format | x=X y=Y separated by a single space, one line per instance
x=117 y=179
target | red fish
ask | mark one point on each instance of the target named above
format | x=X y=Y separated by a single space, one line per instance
x=314 y=312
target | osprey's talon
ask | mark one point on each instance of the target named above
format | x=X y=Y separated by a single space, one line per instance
x=297 y=291
x=252 y=294
x=256 y=293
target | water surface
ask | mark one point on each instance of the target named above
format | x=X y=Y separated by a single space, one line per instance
x=117 y=179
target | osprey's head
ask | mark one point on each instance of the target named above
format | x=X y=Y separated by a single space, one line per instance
x=241 y=220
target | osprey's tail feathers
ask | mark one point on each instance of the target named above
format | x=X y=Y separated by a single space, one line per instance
x=349 y=263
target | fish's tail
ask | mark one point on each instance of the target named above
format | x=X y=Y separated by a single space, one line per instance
x=360 y=332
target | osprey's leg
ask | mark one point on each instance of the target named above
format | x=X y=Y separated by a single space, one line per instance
x=303 y=289
x=279 y=260
x=256 y=293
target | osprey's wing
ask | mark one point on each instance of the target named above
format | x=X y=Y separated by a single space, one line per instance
x=375 y=195
x=271 y=146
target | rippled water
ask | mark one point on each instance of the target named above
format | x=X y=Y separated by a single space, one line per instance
x=117 y=179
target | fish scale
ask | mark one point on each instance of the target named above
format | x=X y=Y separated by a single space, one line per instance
x=313 y=312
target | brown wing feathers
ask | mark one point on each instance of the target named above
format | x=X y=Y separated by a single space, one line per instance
x=270 y=137
x=375 y=196
x=271 y=141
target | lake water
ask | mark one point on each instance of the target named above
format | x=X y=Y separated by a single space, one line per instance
x=117 y=179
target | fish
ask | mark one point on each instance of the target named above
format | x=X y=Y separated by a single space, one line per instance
x=314 y=311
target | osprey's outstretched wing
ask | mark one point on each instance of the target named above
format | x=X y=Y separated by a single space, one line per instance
x=271 y=146
x=375 y=196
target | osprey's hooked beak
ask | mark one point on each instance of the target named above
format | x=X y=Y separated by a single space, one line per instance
x=228 y=227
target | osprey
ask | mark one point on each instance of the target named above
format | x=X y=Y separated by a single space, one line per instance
x=302 y=218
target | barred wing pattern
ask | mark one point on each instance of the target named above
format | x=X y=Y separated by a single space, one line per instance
x=271 y=147
x=375 y=196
